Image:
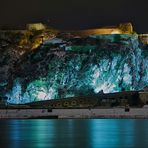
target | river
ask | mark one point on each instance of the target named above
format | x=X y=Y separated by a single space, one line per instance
x=74 y=133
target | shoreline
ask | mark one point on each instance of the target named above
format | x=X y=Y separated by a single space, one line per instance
x=110 y=113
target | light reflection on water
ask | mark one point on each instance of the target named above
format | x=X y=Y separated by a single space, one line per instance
x=87 y=133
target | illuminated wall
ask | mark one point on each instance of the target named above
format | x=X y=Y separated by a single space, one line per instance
x=64 y=68
x=125 y=28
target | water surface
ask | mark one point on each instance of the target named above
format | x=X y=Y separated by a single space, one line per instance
x=86 y=133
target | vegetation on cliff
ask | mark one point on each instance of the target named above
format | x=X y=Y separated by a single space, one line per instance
x=64 y=65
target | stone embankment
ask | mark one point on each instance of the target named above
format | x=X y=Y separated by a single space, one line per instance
x=141 y=113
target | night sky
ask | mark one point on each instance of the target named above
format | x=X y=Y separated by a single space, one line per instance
x=75 y=14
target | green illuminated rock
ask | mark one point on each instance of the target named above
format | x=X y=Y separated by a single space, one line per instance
x=68 y=65
x=65 y=67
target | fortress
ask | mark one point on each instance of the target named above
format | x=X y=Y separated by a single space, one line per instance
x=44 y=31
x=123 y=28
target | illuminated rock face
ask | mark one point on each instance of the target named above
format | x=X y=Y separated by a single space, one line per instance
x=67 y=67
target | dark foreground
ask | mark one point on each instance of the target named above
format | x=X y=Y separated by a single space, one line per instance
x=88 y=133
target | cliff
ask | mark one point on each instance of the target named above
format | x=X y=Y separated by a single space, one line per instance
x=61 y=65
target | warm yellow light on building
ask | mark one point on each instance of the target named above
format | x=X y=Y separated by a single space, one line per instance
x=116 y=32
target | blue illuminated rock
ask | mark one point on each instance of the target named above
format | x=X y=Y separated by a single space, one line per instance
x=77 y=66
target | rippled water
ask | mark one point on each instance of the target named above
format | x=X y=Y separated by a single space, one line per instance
x=91 y=133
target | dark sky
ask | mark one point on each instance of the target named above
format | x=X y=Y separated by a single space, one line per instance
x=76 y=14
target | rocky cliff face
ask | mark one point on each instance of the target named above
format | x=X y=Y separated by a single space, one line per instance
x=67 y=66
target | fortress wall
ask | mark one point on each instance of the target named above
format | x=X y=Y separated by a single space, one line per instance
x=144 y=38
x=125 y=28
x=98 y=31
